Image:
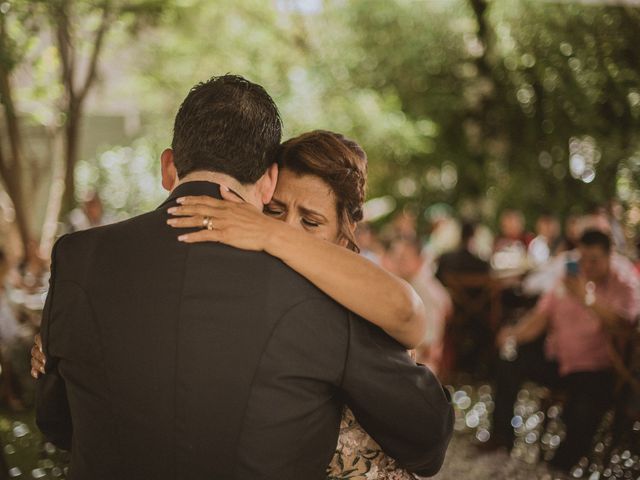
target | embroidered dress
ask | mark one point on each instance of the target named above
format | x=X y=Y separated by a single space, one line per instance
x=359 y=457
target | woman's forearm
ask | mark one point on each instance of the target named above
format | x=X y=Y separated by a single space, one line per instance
x=353 y=281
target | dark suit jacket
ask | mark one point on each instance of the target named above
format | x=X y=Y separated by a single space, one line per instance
x=204 y=362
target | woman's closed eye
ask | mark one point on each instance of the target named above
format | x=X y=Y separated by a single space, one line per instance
x=273 y=211
x=310 y=223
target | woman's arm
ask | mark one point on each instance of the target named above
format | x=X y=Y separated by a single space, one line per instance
x=350 y=279
x=353 y=281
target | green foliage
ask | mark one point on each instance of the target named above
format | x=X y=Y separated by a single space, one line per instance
x=484 y=104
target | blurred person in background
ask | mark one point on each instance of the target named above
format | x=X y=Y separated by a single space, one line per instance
x=404 y=258
x=510 y=247
x=615 y=214
x=33 y=269
x=571 y=234
x=547 y=240
x=462 y=260
x=512 y=230
x=578 y=317
x=368 y=243
x=90 y=214
x=544 y=278
x=9 y=336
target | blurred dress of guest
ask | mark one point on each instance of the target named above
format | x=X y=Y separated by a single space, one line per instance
x=90 y=215
x=462 y=260
x=577 y=316
x=404 y=258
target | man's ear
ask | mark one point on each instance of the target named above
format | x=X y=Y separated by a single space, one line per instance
x=267 y=184
x=169 y=172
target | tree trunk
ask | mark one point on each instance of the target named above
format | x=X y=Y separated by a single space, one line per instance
x=71 y=154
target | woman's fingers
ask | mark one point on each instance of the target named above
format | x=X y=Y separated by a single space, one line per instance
x=230 y=196
x=193 y=210
x=201 y=236
x=37 y=362
x=200 y=200
x=187 y=222
x=38 y=341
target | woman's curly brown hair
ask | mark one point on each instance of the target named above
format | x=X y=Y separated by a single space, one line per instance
x=341 y=163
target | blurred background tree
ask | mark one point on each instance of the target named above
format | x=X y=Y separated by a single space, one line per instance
x=50 y=53
x=471 y=103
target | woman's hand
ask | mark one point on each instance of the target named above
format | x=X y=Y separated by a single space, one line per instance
x=38 y=359
x=233 y=221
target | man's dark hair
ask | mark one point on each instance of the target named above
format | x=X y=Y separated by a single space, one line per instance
x=227 y=125
x=593 y=238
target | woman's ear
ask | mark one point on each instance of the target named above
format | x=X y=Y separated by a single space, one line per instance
x=169 y=172
x=267 y=184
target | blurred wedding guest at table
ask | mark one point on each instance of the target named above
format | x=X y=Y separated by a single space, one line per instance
x=9 y=336
x=512 y=230
x=368 y=243
x=404 y=258
x=510 y=247
x=578 y=316
x=90 y=214
x=547 y=239
x=463 y=259
x=571 y=235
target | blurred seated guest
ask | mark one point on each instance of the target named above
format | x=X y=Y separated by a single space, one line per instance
x=547 y=240
x=578 y=317
x=90 y=215
x=9 y=336
x=404 y=258
x=468 y=336
x=369 y=246
x=33 y=269
x=462 y=260
x=510 y=247
x=572 y=232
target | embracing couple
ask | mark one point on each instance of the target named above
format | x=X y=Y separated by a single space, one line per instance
x=235 y=332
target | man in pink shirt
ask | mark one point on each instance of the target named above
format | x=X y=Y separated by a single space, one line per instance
x=578 y=317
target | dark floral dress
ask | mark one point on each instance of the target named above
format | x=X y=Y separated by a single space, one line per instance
x=359 y=457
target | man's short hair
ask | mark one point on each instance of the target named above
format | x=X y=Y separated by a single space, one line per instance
x=227 y=125
x=593 y=238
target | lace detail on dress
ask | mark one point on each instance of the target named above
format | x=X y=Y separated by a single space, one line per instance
x=359 y=457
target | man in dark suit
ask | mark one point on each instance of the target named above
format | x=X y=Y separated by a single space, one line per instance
x=168 y=360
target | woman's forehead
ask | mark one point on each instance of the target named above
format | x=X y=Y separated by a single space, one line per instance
x=308 y=190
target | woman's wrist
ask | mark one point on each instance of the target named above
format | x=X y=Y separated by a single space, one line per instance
x=276 y=239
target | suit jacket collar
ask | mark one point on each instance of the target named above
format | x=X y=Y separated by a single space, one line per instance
x=195 y=188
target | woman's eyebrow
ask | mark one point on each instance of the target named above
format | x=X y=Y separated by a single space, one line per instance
x=308 y=211
x=278 y=202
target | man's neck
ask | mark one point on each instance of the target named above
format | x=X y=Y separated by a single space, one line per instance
x=221 y=179
x=213 y=177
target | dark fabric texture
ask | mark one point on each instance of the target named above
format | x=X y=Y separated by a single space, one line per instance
x=175 y=361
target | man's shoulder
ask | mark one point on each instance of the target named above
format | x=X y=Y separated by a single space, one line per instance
x=294 y=289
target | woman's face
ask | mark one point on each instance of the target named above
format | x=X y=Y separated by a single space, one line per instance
x=305 y=202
